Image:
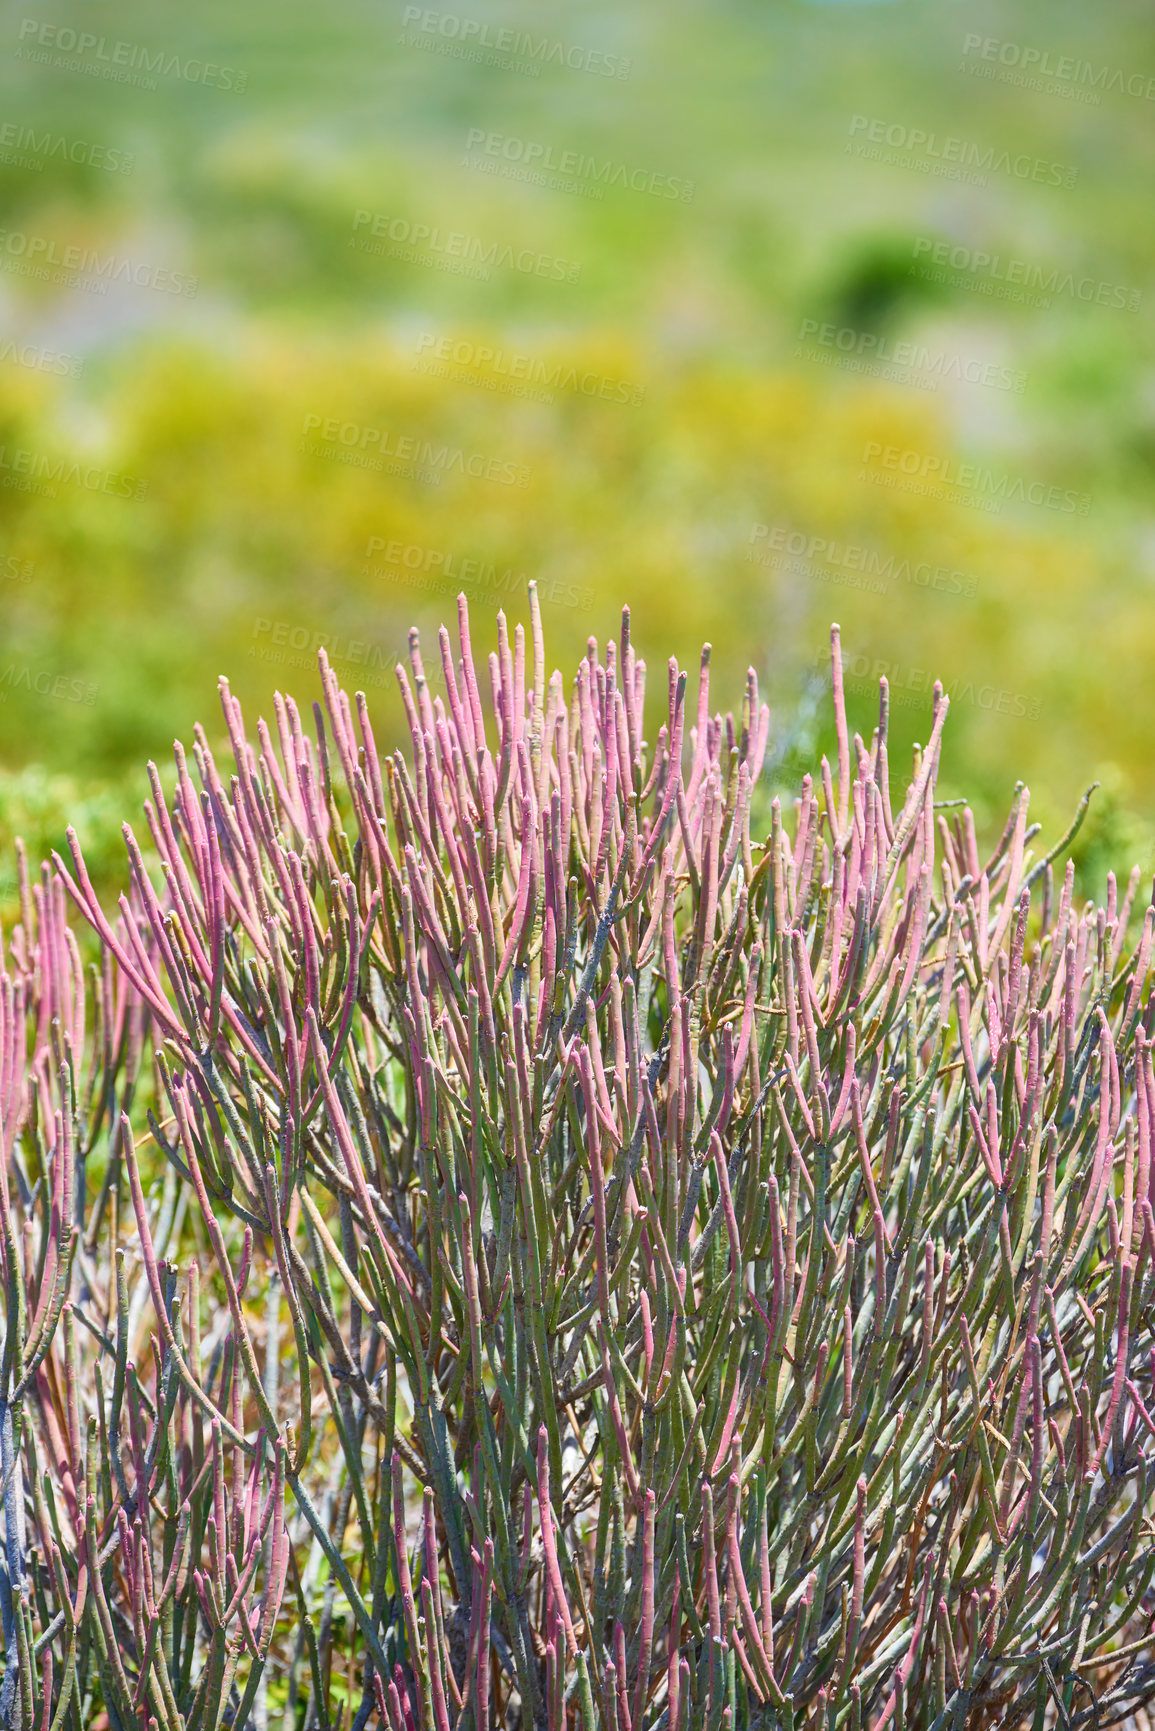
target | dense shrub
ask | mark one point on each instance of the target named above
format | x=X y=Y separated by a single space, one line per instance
x=490 y=1243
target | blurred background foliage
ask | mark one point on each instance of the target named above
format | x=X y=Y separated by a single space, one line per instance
x=254 y=537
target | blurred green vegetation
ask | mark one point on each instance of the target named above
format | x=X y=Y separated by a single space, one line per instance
x=254 y=537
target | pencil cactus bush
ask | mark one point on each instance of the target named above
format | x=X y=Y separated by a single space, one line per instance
x=492 y=1242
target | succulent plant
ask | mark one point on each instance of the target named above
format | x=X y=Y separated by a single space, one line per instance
x=488 y=1242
